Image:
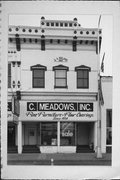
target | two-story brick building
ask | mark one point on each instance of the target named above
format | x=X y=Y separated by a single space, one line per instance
x=53 y=72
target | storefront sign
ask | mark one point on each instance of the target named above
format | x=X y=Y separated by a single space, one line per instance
x=58 y=111
x=85 y=107
x=62 y=106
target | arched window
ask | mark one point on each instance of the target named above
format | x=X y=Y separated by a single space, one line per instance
x=38 y=76
x=60 y=76
x=82 y=76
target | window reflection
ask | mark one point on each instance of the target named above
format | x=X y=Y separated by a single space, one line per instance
x=67 y=134
x=49 y=134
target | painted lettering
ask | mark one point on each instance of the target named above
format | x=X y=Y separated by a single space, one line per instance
x=85 y=106
x=31 y=106
x=67 y=134
x=43 y=106
x=53 y=106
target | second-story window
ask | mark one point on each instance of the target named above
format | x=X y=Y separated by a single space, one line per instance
x=38 y=76
x=82 y=76
x=60 y=76
x=9 y=75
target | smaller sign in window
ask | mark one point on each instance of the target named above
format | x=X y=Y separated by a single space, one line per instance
x=67 y=133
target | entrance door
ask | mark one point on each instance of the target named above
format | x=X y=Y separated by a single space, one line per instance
x=32 y=136
x=11 y=136
x=82 y=133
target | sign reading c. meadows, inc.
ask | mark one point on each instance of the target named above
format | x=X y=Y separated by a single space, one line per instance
x=58 y=111
x=59 y=106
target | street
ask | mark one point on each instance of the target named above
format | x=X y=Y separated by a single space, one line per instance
x=59 y=159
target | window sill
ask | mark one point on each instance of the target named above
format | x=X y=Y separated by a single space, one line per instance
x=60 y=87
x=82 y=87
x=38 y=87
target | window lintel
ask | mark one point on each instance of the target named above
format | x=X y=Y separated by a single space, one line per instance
x=38 y=67
x=60 y=67
x=82 y=67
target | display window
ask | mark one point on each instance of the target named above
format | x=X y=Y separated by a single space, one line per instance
x=49 y=134
x=67 y=133
x=109 y=127
x=109 y=136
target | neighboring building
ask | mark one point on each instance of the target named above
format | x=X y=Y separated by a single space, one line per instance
x=107 y=114
x=53 y=73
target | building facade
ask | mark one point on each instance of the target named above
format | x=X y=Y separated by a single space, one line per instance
x=53 y=73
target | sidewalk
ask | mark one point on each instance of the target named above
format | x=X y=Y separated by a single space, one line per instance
x=59 y=159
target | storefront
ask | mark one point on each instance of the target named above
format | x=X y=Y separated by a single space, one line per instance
x=60 y=126
x=57 y=126
x=58 y=136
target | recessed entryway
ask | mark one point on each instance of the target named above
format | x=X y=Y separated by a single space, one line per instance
x=31 y=136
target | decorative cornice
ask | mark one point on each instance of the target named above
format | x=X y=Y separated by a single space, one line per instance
x=39 y=31
x=50 y=30
x=64 y=94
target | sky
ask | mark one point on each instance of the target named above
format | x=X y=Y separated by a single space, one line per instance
x=86 y=21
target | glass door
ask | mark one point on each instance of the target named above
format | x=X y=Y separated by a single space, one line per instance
x=32 y=136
